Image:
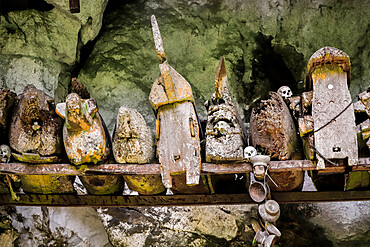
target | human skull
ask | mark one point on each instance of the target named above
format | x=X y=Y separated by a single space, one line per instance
x=5 y=153
x=249 y=151
x=285 y=92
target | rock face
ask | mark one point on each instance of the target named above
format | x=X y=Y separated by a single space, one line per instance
x=324 y=224
x=42 y=226
x=265 y=45
x=176 y=226
x=39 y=46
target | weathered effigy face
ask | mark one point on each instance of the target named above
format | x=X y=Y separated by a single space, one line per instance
x=35 y=127
x=225 y=134
x=124 y=125
x=133 y=143
x=76 y=117
x=35 y=135
x=132 y=138
x=84 y=134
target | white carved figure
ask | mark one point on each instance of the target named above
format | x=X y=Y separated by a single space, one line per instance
x=285 y=92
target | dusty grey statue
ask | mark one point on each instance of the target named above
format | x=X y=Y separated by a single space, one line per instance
x=225 y=133
x=132 y=138
x=133 y=143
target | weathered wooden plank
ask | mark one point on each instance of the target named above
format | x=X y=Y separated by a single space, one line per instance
x=363 y=165
x=324 y=196
x=148 y=169
x=332 y=111
x=177 y=200
x=212 y=168
x=67 y=169
x=290 y=165
x=131 y=201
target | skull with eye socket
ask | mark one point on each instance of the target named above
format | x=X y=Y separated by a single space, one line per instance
x=5 y=153
x=285 y=92
x=249 y=152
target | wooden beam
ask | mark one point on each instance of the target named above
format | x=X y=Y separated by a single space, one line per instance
x=363 y=165
x=177 y=200
x=289 y=165
x=142 y=169
x=323 y=196
x=211 y=168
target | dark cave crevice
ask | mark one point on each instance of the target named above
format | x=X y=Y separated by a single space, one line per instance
x=270 y=70
x=269 y=66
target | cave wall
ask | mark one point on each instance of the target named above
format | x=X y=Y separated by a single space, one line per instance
x=109 y=47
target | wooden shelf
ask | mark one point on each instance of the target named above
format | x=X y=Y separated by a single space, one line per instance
x=177 y=200
x=141 y=169
x=72 y=200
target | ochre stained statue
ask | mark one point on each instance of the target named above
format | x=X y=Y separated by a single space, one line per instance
x=87 y=141
x=35 y=136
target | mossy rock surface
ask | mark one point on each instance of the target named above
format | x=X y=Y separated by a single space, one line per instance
x=265 y=45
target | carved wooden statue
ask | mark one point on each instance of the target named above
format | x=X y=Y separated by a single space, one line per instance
x=133 y=143
x=328 y=72
x=273 y=131
x=225 y=135
x=35 y=136
x=177 y=128
x=86 y=140
x=35 y=127
x=225 y=132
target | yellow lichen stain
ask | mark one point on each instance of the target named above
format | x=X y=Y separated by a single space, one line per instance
x=46 y=184
x=145 y=184
x=325 y=71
